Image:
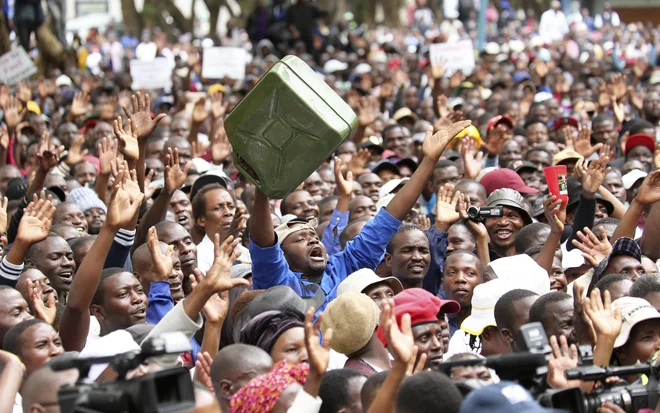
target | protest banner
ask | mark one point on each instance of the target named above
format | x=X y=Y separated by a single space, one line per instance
x=154 y=74
x=220 y=62
x=15 y=66
x=454 y=56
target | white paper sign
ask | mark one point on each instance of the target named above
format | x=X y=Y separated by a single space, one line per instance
x=219 y=62
x=454 y=56
x=154 y=74
x=15 y=66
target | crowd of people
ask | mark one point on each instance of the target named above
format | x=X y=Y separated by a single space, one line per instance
x=428 y=236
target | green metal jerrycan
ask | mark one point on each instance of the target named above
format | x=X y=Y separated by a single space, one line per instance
x=286 y=126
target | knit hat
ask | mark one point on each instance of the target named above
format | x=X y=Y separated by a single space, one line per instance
x=16 y=189
x=261 y=393
x=353 y=318
x=86 y=199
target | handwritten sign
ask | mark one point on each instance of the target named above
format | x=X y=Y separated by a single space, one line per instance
x=15 y=66
x=454 y=56
x=220 y=62
x=154 y=74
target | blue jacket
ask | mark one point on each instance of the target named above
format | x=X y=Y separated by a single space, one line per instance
x=269 y=267
x=338 y=221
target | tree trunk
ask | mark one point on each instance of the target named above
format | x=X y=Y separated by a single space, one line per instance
x=180 y=21
x=131 y=17
x=391 y=9
x=5 y=43
x=214 y=14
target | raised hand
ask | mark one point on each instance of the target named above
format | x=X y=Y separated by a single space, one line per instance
x=174 y=176
x=649 y=191
x=618 y=86
x=495 y=140
x=218 y=108
x=435 y=143
x=582 y=144
x=238 y=224
x=344 y=185
x=217 y=278
x=216 y=308
x=415 y=365
x=319 y=354
x=203 y=370
x=44 y=311
x=400 y=340
x=76 y=152
x=606 y=322
x=220 y=146
x=441 y=104
x=107 y=149
x=359 y=161
x=3 y=215
x=555 y=213
x=80 y=104
x=128 y=141
x=124 y=202
x=162 y=262
x=594 y=250
x=445 y=207
x=37 y=219
x=140 y=115
x=562 y=358
x=200 y=114
x=472 y=164
x=47 y=158
x=594 y=175
x=584 y=329
x=424 y=222
x=4 y=138
x=13 y=115
x=369 y=111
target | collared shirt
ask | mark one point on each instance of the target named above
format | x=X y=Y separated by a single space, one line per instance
x=338 y=221
x=206 y=254
x=438 y=242
x=270 y=268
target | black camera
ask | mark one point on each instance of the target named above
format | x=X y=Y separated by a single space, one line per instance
x=479 y=214
x=168 y=390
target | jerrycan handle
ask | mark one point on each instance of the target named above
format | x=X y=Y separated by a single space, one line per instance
x=248 y=169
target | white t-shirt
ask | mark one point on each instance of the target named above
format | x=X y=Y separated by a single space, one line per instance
x=206 y=253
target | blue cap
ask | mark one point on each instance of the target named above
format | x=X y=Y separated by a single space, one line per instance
x=504 y=397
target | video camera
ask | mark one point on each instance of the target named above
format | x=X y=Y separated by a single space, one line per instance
x=529 y=370
x=164 y=391
x=479 y=214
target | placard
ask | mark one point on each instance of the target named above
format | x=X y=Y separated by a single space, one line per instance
x=154 y=74
x=454 y=56
x=220 y=62
x=15 y=66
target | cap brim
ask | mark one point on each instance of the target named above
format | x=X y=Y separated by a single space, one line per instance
x=528 y=190
x=450 y=307
x=626 y=328
x=476 y=325
x=509 y=203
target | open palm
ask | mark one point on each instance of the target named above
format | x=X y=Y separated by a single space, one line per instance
x=140 y=115
x=649 y=192
x=128 y=143
x=435 y=143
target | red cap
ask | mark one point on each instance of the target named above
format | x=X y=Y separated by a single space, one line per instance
x=497 y=119
x=566 y=120
x=422 y=306
x=394 y=63
x=640 y=139
x=387 y=154
x=505 y=178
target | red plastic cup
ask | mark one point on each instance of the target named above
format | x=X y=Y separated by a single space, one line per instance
x=555 y=177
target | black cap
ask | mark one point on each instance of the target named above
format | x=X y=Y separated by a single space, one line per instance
x=207 y=179
x=386 y=165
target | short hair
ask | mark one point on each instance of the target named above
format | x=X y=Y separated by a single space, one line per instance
x=328 y=199
x=428 y=391
x=100 y=290
x=389 y=128
x=199 y=201
x=538 y=149
x=463 y=183
x=334 y=389
x=638 y=125
x=505 y=306
x=526 y=235
x=371 y=387
x=605 y=221
x=601 y=118
x=444 y=163
x=343 y=237
x=34 y=248
x=645 y=285
x=12 y=340
x=284 y=209
x=75 y=166
x=403 y=228
x=538 y=310
x=607 y=281
x=534 y=121
x=79 y=242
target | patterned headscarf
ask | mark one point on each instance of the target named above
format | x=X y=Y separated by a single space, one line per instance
x=261 y=393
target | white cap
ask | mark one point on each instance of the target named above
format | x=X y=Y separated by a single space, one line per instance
x=63 y=80
x=361 y=279
x=542 y=96
x=384 y=201
x=492 y=48
x=521 y=271
x=634 y=310
x=362 y=68
x=334 y=65
x=484 y=298
x=389 y=186
x=572 y=259
x=631 y=177
x=451 y=14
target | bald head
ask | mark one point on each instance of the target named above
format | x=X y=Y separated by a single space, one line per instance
x=142 y=261
x=41 y=388
x=234 y=366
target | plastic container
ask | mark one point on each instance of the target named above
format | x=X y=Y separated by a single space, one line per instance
x=286 y=126
x=555 y=177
